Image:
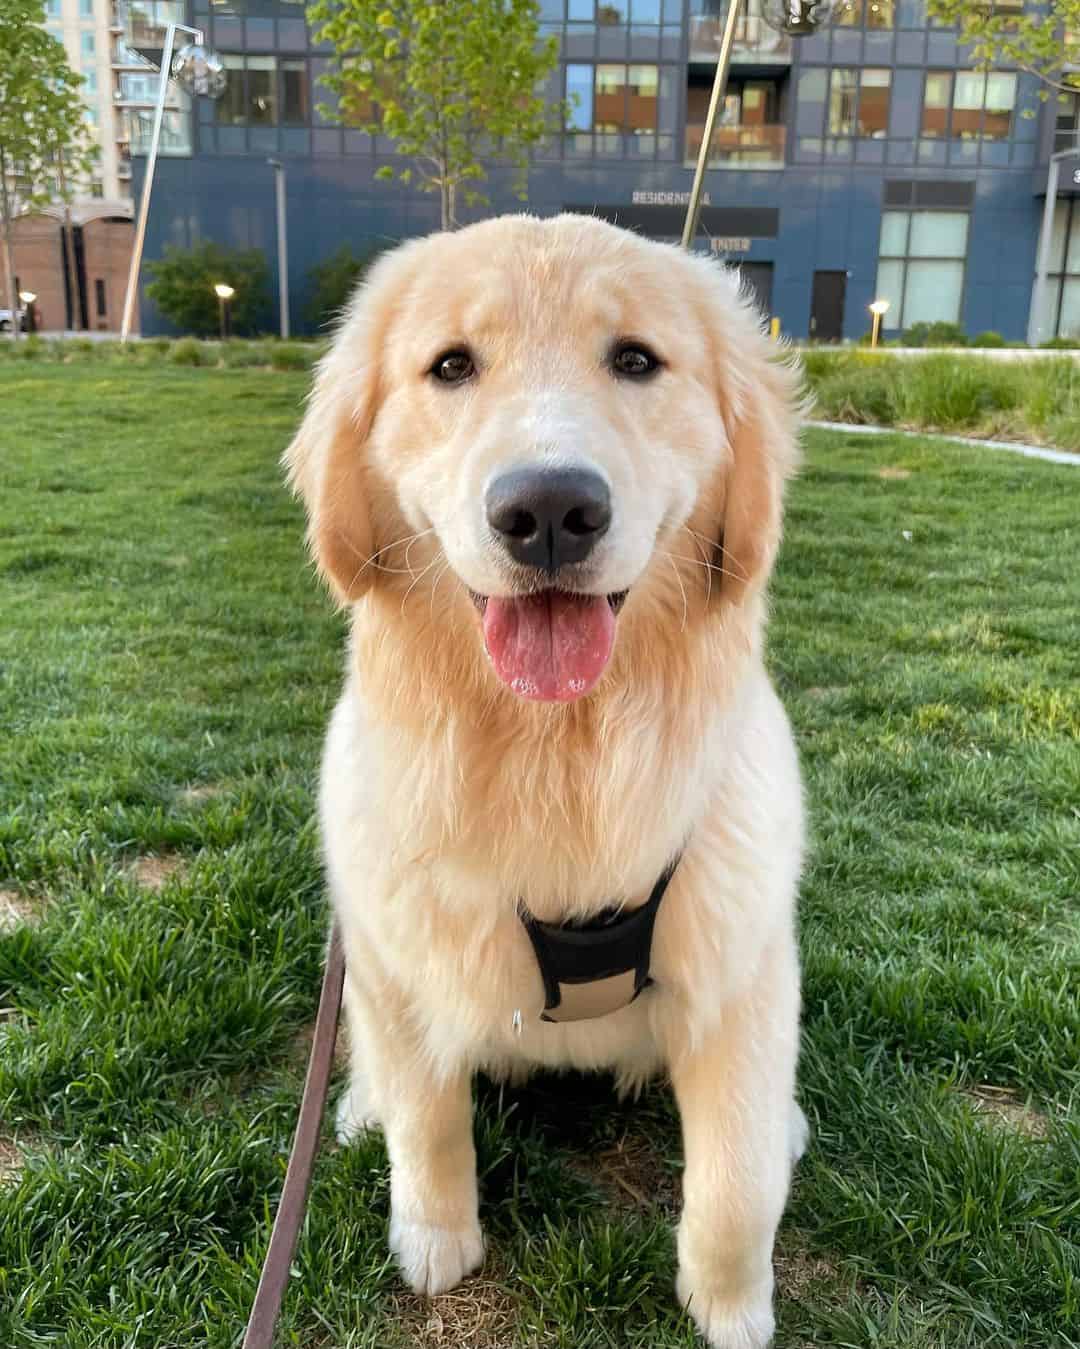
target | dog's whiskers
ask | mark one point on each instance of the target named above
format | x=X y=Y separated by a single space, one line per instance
x=712 y=545
x=682 y=589
x=372 y=561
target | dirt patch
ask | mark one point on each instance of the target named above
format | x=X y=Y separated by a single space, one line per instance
x=892 y=474
x=11 y=1161
x=632 y=1175
x=205 y=791
x=153 y=870
x=821 y=694
x=480 y=1314
x=799 y=1270
x=1004 y=1106
x=16 y=909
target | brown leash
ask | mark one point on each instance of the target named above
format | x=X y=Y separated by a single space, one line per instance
x=290 y=1214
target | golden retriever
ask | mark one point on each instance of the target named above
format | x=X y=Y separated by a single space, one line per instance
x=543 y=465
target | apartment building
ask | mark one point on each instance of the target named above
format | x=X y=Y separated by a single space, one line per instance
x=868 y=160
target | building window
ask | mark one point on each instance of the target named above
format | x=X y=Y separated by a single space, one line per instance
x=581 y=11
x=968 y=105
x=295 y=100
x=89 y=79
x=1067 y=122
x=53 y=9
x=262 y=90
x=612 y=12
x=230 y=106
x=921 y=265
x=865 y=13
x=99 y=297
x=1063 y=282
x=858 y=102
x=97 y=188
x=87 y=44
x=251 y=93
x=613 y=98
x=86 y=9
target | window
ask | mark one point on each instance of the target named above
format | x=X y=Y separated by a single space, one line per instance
x=89 y=78
x=87 y=44
x=99 y=297
x=97 y=188
x=921 y=265
x=858 y=102
x=86 y=9
x=261 y=90
x=581 y=11
x=968 y=105
x=295 y=101
x=612 y=11
x=53 y=9
x=612 y=98
x=1067 y=123
x=868 y=13
x=1063 y=282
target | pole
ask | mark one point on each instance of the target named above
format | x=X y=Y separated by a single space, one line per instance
x=282 y=246
x=1037 y=313
x=221 y=316
x=148 y=181
x=723 y=65
x=876 y=330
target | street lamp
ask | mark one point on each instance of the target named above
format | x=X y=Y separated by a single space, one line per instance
x=200 y=72
x=224 y=294
x=793 y=18
x=282 y=247
x=879 y=308
x=1046 y=233
x=27 y=297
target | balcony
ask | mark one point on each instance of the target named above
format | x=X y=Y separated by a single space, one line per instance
x=147 y=21
x=755 y=43
x=757 y=145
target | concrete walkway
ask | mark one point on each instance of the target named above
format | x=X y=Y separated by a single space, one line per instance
x=1028 y=451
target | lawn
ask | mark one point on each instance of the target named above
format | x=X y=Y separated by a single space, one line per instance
x=167 y=665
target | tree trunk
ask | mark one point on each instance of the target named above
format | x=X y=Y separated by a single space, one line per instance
x=5 y=248
x=74 y=289
x=444 y=202
x=451 y=202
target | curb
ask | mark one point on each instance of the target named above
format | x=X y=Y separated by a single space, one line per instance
x=1028 y=451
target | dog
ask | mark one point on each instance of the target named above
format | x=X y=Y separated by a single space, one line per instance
x=543 y=465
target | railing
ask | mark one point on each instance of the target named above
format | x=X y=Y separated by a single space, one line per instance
x=755 y=41
x=749 y=145
x=148 y=19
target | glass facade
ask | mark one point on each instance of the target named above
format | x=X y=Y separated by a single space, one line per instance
x=817 y=143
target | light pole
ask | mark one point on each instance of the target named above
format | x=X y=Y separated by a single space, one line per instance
x=793 y=18
x=1037 y=312
x=282 y=246
x=200 y=72
x=28 y=297
x=879 y=309
x=224 y=294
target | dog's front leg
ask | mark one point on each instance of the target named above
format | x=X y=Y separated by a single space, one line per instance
x=734 y=1085
x=426 y=1114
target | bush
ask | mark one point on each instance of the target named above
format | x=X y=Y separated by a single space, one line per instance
x=989 y=339
x=188 y=351
x=333 y=281
x=184 y=280
x=915 y=336
x=291 y=356
x=1061 y=344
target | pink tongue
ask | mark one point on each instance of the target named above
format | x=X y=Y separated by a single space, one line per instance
x=551 y=647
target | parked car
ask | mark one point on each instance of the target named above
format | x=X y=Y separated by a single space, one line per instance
x=5 y=320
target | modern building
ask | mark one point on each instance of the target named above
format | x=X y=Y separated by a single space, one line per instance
x=867 y=160
x=75 y=258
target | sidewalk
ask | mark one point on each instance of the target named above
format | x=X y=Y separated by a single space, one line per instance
x=1014 y=447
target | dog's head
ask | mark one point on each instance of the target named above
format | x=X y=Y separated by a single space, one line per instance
x=564 y=414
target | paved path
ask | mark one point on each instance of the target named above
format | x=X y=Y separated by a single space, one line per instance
x=1029 y=451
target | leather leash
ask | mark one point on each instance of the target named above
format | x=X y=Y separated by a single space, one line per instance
x=290 y=1214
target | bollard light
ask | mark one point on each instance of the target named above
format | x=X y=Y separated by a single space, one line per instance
x=879 y=308
x=224 y=292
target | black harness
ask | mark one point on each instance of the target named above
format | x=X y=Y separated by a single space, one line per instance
x=593 y=968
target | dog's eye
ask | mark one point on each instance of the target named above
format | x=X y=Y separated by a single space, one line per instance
x=453 y=367
x=633 y=361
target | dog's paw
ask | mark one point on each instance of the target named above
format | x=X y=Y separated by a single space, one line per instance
x=798 y=1133
x=354 y=1114
x=433 y=1259
x=744 y=1322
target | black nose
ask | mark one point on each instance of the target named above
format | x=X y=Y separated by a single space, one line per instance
x=548 y=518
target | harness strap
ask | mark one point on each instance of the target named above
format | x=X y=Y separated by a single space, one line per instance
x=597 y=967
x=290 y=1214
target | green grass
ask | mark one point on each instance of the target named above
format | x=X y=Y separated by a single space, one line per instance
x=167 y=665
x=1035 y=400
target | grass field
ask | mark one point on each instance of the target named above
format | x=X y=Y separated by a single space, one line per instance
x=166 y=669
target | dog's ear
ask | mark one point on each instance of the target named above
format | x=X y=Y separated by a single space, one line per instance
x=327 y=464
x=758 y=386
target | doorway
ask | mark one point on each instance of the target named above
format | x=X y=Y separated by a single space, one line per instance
x=827 y=306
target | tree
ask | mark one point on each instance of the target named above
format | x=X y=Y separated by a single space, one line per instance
x=334 y=279
x=1043 y=41
x=184 y=280
x=45 y=144
x=451 y=82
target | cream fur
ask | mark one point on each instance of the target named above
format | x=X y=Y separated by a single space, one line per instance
x=444 y=798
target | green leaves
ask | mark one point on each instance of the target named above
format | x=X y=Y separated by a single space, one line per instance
x=456 y=86
x=1044 y=42
x=183 y=286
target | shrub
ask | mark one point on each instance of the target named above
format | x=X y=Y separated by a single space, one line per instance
x=1061 y=344
x=945 y=335
x=988 y=339
x=188 y=351
x=333 y=281
x=238 y=355
x=291 y=356
x=184 y=280
x=915 y=336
